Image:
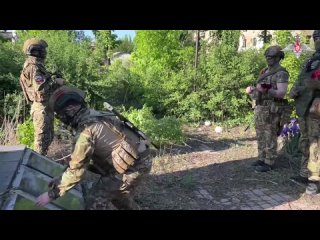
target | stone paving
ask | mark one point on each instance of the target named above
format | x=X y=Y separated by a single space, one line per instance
x=254 y=199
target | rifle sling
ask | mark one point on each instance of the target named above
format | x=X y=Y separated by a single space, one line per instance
x=278 y=69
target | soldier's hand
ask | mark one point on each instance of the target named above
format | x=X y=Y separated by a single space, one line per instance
x=43 y=199
x=260 y=88
x=249 y=89
x=54 y=182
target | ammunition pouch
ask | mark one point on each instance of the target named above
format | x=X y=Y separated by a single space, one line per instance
x=283 y=109
x=123 y=157
x=262 y=115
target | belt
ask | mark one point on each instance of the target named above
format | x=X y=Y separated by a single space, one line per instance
x=280 y=100
x=268 y=102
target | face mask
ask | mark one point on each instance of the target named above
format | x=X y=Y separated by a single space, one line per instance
x=317 y=45
x=67 y=114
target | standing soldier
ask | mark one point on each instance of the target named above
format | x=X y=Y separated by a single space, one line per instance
x=119 y=153
x=306 y=93
x=37 y=85
x=271 y=110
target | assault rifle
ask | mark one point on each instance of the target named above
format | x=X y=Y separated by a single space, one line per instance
x=129 y=124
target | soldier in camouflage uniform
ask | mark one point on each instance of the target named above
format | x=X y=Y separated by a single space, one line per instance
x=271 y=111
x=306 y=92
x=121 y=156
x=37 y=85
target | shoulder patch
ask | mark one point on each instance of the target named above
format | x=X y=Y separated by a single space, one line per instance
x=39 y=79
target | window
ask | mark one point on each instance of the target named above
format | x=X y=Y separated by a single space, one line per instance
x=254 y=42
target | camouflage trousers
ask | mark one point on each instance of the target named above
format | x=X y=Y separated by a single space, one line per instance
x=117 y=191
x=304 y=147
x=314 y=148
x=43 y=120
x=267 y=127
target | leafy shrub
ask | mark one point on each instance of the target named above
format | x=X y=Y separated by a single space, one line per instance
x=161 y=131
x=25 y=133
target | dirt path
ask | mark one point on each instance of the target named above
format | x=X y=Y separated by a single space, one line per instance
x=212 y=171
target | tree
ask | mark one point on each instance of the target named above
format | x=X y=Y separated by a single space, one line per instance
x=158 y=55
x=125 y=45
x=105 y=42
x=291 y=62
x=265 y=36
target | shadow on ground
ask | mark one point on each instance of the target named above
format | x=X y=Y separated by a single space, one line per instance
x=229 y=185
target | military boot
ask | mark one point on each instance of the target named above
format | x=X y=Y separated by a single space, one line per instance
x=312 y=188
x=301 y=181
x=263 y=168
x=257 y=163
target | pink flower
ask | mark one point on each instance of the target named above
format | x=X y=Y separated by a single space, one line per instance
x=315 y=74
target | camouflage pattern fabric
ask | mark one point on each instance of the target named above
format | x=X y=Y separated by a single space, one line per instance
x=304 y=147
x=99 y=138
x=43 y=123
x=39 y=85
x=314 y=148
x=270 y=115
x=38 y=88
x=309 y=123
x=266 y=125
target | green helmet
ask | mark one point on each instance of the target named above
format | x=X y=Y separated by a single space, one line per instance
x=35 y=47
x=63 y=96
x=274 y=51
x=316 y=33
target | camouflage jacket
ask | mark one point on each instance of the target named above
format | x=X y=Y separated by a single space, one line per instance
x=305 y=95
x=97 y=135
x=270 y=77
x=36 y=81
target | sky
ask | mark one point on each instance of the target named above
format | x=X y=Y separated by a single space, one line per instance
x=120 y=33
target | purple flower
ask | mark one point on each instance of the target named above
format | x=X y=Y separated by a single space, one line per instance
x=285 y=131
x=294 y=127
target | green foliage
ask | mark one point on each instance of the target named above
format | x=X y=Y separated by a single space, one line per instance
x=283 y=38
x=227 y=74
x=160 y=75
x=25 y=133
x=11 y=106
x=71 y=55
x=105 y=42
x=162 y=132
x=125 y=45
x=119 y=87
x=265 y=36
x=292 y=148
x=10 y=67
x=160 y=48
x=291 y=62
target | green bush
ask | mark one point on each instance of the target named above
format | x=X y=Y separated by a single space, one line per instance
x=25 y=133
x=163 y=131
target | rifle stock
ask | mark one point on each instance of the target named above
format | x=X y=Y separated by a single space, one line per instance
x=129 y=124
x=25 y=92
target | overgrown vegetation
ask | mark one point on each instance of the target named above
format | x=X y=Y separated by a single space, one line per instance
x=160 y=85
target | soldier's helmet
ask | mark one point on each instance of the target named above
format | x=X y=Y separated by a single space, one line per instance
x=35 y=47
x=65 y=95
x=316 y=33
x=274 y=51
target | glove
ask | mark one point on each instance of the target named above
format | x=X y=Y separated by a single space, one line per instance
x=54 y=182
